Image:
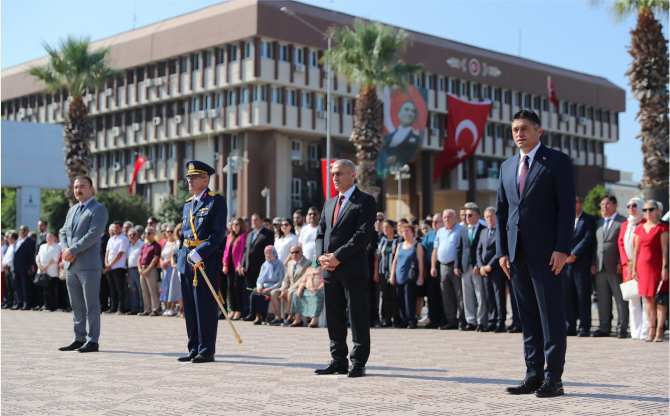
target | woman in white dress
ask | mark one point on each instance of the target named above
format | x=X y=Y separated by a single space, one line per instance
x=47 y=262
x=285 y=240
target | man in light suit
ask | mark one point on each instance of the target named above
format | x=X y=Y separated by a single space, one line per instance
x=577 y=277
x=474 y=292
x=80 y=240
x=341 y=248
x=535 y=216
x=492 y=275
x=280 y=298
x=253 y=258
x=606 y=265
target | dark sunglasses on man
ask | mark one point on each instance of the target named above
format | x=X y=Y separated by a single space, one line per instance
x=648 y=209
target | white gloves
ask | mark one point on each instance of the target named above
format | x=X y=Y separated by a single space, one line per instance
x=194 y=256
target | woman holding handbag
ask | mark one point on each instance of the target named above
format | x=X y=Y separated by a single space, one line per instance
x=639 y=326
x=47 y=263
x=650 y=266
x=406 y=274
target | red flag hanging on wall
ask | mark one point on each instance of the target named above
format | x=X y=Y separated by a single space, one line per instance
x=325 y=177
x=466 y=123
x=552 y=93
x=138 y=165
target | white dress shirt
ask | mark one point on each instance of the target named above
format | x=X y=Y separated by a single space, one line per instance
x=115 y=245
x=134 y=252
x=347 y=195
x=531 y=157
x=46 y=254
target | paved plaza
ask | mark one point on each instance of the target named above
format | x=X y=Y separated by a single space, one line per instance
x=410 y=372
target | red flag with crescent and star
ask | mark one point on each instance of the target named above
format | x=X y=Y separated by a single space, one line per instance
x=138 y=165
x=552 y=93
x=466 y=123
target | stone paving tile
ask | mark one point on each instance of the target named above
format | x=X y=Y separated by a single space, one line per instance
x=420 y=372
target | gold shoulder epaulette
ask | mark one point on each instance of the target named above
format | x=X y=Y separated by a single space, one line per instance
x=191 y=198
x=211 y=193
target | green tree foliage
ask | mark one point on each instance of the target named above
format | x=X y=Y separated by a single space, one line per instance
x=124 y=207
x=9 y=199
x=592 y=201
x=54 y=208
x=171 y=210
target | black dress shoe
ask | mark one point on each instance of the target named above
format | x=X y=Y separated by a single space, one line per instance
x=72 y=347
x=600 y=334
x=191 y=355
x=357 y=370
x=4 y=306
x=25 y=307
x=482 y=328
x=491 y=328
x=110 y=312
x=582 y=333
x=431 y=325
x=203 y=359
x=89 y=347
x=387 y=324
x=249 y=317
x=333 y=368
x=514 y=330
x=469 y=327
x=35 y=308
x=550 y=388
x=411 y=326
x=14 y=307
x=527 y=386
x=450 y=326
x=622 y=335
x=571 y=333
x=499 y=329
x=275 y=322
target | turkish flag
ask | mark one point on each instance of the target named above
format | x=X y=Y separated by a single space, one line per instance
x=552 y=93
x=325 y=177
x=138 y=165
x=466 y=123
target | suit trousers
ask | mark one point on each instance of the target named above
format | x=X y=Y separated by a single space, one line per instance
x=341 y=293
x=236 y=292
x=201 y=311
x=150 y=296
x=516 y=320
x=607 y=285
x=373 y=299
x=10 y=290
x=496 y=296
x=23 y=287
x=116 y=278
x=577 y=288
x=539 y=295
x=474 y=298
x=452 y=294
x=135 y=290
x=84 y=289
x=278 y=306
x=406 y=293
x=434 y=295
x=389 y=301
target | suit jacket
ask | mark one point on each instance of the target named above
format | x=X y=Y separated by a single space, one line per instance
x=254 y=256
x=486 y=250
x=465 y=249
x=24 y=256
x=348 y=239
x=544 y=214
x=83 y=238
x=293 y=279
x=582 y=241
x=42 y=239
x=606 y=255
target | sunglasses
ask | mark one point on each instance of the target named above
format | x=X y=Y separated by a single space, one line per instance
x=631 y=206
x=648 y=209
x=286 y=225
x=149 y=233
x=169 y=231
x=295 y=252
x=469 y=215
x=380 y=220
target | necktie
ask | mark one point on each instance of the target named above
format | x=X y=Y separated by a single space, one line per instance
x=524 y=173
x=606 y=226
x=472 y=231
x=491 y=231
x=76 y=214
x=337 y=209
x=295 y=267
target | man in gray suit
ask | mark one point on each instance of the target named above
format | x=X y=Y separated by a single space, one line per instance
x=606 y=265
x=80 y=240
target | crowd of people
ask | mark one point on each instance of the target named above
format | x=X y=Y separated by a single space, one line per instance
x=447 y=262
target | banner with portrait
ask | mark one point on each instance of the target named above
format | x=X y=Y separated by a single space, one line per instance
x=405 y=120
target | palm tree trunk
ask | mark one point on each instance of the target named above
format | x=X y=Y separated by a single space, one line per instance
x=649 y=81
x=77 y=131
x=367 y=137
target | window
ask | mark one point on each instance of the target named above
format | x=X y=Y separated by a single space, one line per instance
x=208 y=102
x=417 y=80
x=222 y=55
x=295 y=150
x=290 y=97
x=244 y=96
x=473 y=90
x=566 y=142
x=485 y=92
x=306 y=100
x=614 y=118
x=234 y=143
x=103 y=161
x=208 y=58
x=515 y=99
x=589 y=113
x=266 y=50
x=581 y=111
x=298 y=57
x=347 y=107
x=275 y=95
x=219 y=100
x=313 y=59
x=583 y=145
x=556 y=140
x=496 y=94
x=499 y=131
x=283 y=53
x=248 y=50
x=259 y=92
x=434 y=121
x=526 y=101
x=536 y=103
x=464 y=169
x=196 y=105
x=233 y=53
x=440 y=84
x=232 y=98
x=429 y=82
x=334 y=105
x=545 y=104
x=161 y=152
x=598 y=111
x=573 y=109
x=185 y=64
x=313 y=152
x=188 y=154
x=575 y=143
x=186 y=107
x=489 y=130
x=196 y=61
x=506 y=96
x=173 y=150
x=453 y=86
x=606 y=116
x=591 y=145
x=296 y=194
x=600 y=148
x=464 y=88
x=564 y=108
x=311 y=189
x=320 y=103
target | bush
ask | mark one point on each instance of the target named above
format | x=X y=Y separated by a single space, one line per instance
x=171 y=210
x=9 y=199
x=124 y=207
x=592 y=201
x=54 y=208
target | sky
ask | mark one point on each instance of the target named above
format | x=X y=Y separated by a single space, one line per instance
x=567 y=34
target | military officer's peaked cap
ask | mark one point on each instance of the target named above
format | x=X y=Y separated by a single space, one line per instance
x=196 y=167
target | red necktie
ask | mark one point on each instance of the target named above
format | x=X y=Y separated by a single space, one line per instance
x=524 y=173
x=337 y=209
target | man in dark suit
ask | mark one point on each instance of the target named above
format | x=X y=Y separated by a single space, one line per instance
x=474 y=293
x=492 y=274
x=254 y=256
x=606 y=265
x=577 y=283
x=42 y=226
x=341 y=249
x=535 y=213
x=24 y=267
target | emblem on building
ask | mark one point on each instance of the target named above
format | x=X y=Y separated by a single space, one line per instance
x=474 y=67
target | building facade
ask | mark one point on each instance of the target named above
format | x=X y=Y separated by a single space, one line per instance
x=243 y=78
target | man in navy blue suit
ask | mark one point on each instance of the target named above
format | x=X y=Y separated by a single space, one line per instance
x=577 y=284
x=535 y=214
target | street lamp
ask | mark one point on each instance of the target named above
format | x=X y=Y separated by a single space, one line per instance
x=265 y=193
x=400 y=174
x=235 y=164
x=292 y=14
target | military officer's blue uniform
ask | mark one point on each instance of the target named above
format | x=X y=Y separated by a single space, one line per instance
x=203 y=229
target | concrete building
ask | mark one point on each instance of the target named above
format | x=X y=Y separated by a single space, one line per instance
x=243 y=78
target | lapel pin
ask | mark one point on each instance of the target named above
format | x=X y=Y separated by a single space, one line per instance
x=544 y=158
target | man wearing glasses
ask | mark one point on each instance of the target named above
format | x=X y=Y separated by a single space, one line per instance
x=203 y=228
x=307 y=237
x=134 y=287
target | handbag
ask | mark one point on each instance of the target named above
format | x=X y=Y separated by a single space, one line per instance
x=41 y=280
x=661 y=299
x=629 y=290
x=62 y=274
x=413 y=272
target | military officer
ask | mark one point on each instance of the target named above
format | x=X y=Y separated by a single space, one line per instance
x=203 y=228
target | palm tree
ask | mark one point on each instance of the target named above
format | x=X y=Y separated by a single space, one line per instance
x=648 y=76
x=73 y=68
x=368 y=56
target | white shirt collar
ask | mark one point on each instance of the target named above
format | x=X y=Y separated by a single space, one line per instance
x=531 y=154
x=85 y=204
x=348 y=193
x=200 y=196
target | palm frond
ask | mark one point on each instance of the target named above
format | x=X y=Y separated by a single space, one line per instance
x=623 y=9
